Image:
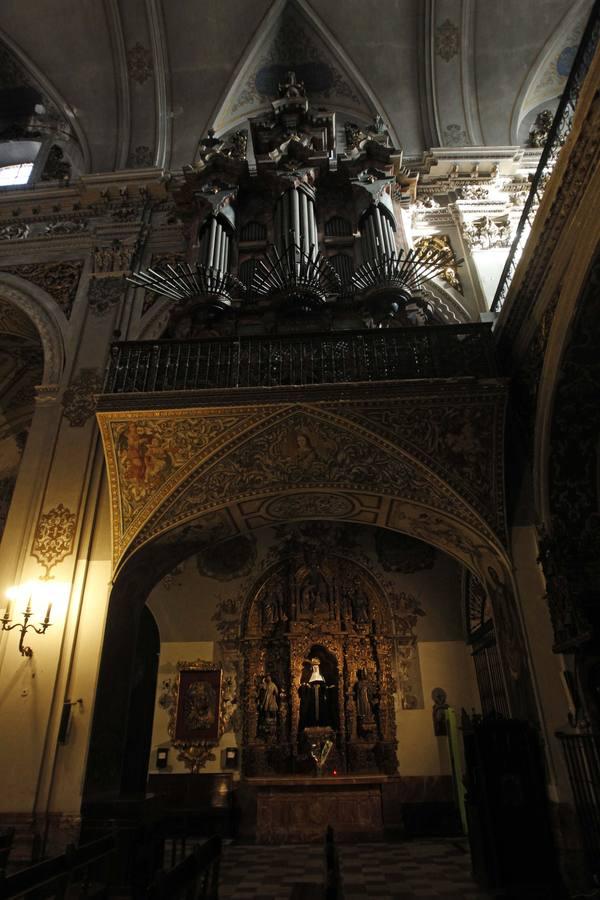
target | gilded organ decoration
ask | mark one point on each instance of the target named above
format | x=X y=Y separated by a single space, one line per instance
x=441 y=243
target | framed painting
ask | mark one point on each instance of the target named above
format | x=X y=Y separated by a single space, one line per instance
x=198 y=708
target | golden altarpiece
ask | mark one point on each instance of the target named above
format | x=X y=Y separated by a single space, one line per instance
x=328 y=608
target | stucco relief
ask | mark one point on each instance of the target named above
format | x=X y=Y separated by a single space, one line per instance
x=54 y=537
x=58 y=279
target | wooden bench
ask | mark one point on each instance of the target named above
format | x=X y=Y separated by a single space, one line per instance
x=6 y=841
x=195 y=878
x=78 y=872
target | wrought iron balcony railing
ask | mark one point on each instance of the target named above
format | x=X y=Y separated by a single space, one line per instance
x=449 y=351
x=559 y=131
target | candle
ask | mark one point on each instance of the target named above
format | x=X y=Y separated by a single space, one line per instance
x=8 y=611
x=28 y=610
x=48 y=611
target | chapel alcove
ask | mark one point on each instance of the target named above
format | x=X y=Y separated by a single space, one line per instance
x=383 y=613
x=318 y=604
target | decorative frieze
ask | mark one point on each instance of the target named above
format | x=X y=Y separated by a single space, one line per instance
x=16 y=232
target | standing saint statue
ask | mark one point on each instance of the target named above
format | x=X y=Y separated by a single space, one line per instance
x=268 y=704
x=316 y=699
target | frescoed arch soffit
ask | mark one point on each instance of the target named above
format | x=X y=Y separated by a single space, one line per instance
x=396 y=462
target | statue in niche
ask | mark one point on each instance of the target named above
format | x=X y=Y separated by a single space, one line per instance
x=273 y=605
x=268 y=705
x=365 y=700
x=315 y=597
x=440 y=725
x=364 y=696
x=357 y=603
x=316 y=698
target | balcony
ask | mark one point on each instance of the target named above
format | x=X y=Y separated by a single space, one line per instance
x=450 y=351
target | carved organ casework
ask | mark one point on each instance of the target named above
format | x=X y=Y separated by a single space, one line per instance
x=318 y=688
x=271 y=214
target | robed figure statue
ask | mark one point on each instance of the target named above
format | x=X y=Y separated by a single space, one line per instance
x=317 y=699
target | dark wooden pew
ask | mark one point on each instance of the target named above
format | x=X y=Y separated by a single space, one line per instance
x=195 y=878
x=79 y=872
x=6 y=841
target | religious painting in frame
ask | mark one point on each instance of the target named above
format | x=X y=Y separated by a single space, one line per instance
x=198 y=708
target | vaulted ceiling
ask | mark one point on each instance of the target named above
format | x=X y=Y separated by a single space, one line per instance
x=141 y=81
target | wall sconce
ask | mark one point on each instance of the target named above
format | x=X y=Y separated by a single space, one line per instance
x=25 y=625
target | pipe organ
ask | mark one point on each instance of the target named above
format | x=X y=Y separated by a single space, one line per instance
x=288 y=175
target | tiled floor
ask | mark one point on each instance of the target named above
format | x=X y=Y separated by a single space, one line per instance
x=414 y=870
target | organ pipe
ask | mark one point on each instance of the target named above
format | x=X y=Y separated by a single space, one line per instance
x=377 y=234
x=215 y=245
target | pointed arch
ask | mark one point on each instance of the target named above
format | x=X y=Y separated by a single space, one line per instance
x=292 y=36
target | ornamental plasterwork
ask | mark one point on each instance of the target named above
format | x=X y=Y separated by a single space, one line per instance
x=58 y=279
x=117 y=257
x=105 y=293
x=79 y=400
x=16 y=232
x=139 y=63
x=487 y=233
x=296 y=44
x=54 y=537
x=447 y=40
x=455 y=136
x=141 y=157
